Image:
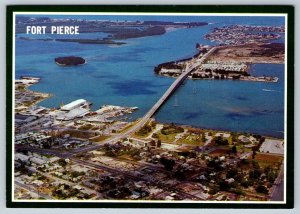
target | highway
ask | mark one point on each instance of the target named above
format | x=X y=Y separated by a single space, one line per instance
x=189 y=68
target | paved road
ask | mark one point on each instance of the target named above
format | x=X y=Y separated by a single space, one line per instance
x=129 y=175
x=31 y=189
x=277 y=193
x=189 y=68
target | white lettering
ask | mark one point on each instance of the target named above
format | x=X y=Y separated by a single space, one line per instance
x=28 y=29
x=65 y=30
x=36 y=29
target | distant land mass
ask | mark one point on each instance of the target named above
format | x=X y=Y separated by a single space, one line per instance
x=92 y=41
x=69 y=61
x=115 y=29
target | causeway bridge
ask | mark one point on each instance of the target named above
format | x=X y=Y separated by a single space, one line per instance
x=179 y=80
x=190 y=66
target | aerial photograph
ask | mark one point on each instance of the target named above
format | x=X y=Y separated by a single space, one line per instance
x=149 y=107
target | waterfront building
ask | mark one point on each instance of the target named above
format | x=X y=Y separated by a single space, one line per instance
x=75 y=104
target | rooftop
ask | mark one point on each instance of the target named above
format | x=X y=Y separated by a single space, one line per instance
x=73 y=104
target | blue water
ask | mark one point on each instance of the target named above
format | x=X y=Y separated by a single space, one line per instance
x=123 y=75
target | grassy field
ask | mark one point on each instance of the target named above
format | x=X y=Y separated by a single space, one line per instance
x=99 y=139
x=166 y=138
x=77 y=134
x=191 y=139
x=218 y=152
x=128 y=126
x=268 y=159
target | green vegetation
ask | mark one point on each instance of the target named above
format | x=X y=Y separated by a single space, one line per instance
x=128 y=126
x=62 y=162
x=265 y=160
x=119 y=149
x=166 y=138
x=155 y=135
x=234 y=149
x=192 y=139
x=171 y=129
x=21 y=88
x=262 y=189
x=88 y=41
x=168 y=163
x=95 y=128
x=135 y=33
x=99 y=138
x=145 y=130
x=220 y=141
x=77 y=134
x=41 y=177
x=66 y=192
x=75 y=174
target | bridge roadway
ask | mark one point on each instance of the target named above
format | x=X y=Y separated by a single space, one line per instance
x=188 y=69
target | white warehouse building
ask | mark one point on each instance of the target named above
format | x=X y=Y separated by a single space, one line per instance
x=75 y=104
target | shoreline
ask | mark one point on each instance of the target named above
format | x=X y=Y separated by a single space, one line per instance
x=36 y=96
x=217 y=130
x=64 y=65
x=161 y=122
x=226 y=62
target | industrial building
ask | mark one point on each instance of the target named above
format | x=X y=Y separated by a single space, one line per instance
x=75 y=104
x=75 y=109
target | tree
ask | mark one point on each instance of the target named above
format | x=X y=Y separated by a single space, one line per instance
x=231 y=173
x=224 y=186
x=271 y=176
x=255 y=164
x=152 y=143
x=62 y=162
x=255 y=174
x=262 y=139
x=253 y=154
x=168 y=163
x=158 y=144
x=233 y=149
x=155 y=135
x=220 y=141
x=262 y=189
x=245 y=183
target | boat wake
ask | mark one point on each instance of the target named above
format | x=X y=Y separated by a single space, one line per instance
x=270 y=90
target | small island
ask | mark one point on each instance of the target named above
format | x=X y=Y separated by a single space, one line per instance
x=69 y=61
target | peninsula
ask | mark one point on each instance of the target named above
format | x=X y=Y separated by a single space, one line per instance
x=239 y=47
x=115 y=29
